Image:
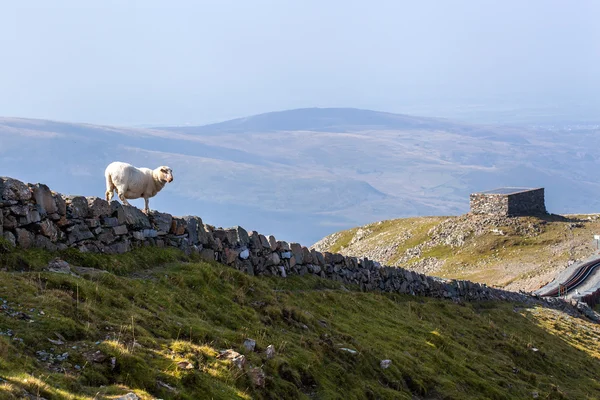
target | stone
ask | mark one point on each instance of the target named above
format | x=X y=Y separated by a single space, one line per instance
x=234 y=357
x=129 y=396
x=273 y=259
x=306 y=256
x=385 y=364
x=59 y=266
x=78 y=233
x=230 y=256
x=42 y=242
x=119 y=247
x=250 y=344
x=297 y=250
x=284 y=246
x=10 y=238
x=195 y=230
x=161 y=221
x=207 y=254
x=24 y=238
x=49 y=229
x=282 y=271
x=120 y=230
x=61 y=205
x=98 y=207
x=347 y=350
x=185 y=365
x=150 y=233
x=31 y=216
x=264 y=242
x=43 y=197
x=242 y=237
x=138 y=235
x=254 y=241
x=318 y=258
x=135 y=218
x=77 y=207
x=14 y=190
x=270 y=352
x=272 y=242
x=257 y=377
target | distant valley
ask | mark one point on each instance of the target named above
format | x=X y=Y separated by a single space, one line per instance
x=303 y=174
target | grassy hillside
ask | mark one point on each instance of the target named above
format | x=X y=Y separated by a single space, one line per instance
x=514 y=253
x=155 y=324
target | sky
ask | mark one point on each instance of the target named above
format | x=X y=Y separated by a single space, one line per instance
x=194 y=62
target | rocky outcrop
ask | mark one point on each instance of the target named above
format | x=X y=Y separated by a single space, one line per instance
x=35 y=216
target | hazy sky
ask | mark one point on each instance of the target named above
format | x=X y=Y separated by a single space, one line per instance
x=175 y=62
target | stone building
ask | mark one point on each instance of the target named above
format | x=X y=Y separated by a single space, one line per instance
x=509 y=202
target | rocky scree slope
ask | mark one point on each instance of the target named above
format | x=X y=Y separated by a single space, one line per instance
x=517 y=253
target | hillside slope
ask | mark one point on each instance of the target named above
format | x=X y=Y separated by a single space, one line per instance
x=521 y=253
x=319 y=170
x=155 y=322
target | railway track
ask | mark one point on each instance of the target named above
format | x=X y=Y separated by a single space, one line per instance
x=576 y=279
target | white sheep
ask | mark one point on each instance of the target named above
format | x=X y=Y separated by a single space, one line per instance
x=133 y=183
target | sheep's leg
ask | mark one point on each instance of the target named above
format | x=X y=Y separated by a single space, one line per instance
x=110 y=188
x=146 y=209
x=123 y=199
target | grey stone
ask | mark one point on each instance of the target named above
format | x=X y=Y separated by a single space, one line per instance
x=77 y=207
x=385 y=364
x=31 y=216
x=270 y=352
x=59 y=266
x=242 y=237
x=10 y=238
x=106 y=236
x=78 y=233
x=207 y=254
x=297 y=250
x=234 y=357
x=92 y=223
x=10 y=222
x=135 y=218
x=272 y=242
x=110 y=221
x=264 y=242
x=24 y=238
x=249 y=344
x=282 y=271
x=257 y=377
x=98 y=207
x=129 y=396
x=306 y=256
x=44 y=198
x=286 y=255
x=49 y=229
x=138 y=235
x=120 y=230
x=162 y=221
x=14 y=190
x=150 y=233
x=283 y=246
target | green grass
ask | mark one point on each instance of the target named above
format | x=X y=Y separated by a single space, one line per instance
x=153 y=315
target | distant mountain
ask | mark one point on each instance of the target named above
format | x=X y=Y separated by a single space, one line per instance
x=303 y=174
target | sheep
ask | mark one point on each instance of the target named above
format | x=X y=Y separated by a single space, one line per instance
x=133 y=183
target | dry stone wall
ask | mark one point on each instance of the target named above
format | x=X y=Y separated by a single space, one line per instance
x=32 y=215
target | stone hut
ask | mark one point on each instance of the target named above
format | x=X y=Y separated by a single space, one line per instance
x=509 y=202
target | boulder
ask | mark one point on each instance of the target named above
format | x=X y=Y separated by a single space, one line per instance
x=49 y=229
x=297 y=251
x=177 y=226
x=45 y=200
x=77 y=207
x=162 y=222
x=24 y=238
x=98 y=207
x=135 y=218
x=12 y=190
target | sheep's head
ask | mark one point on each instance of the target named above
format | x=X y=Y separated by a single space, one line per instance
x=165 y=174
